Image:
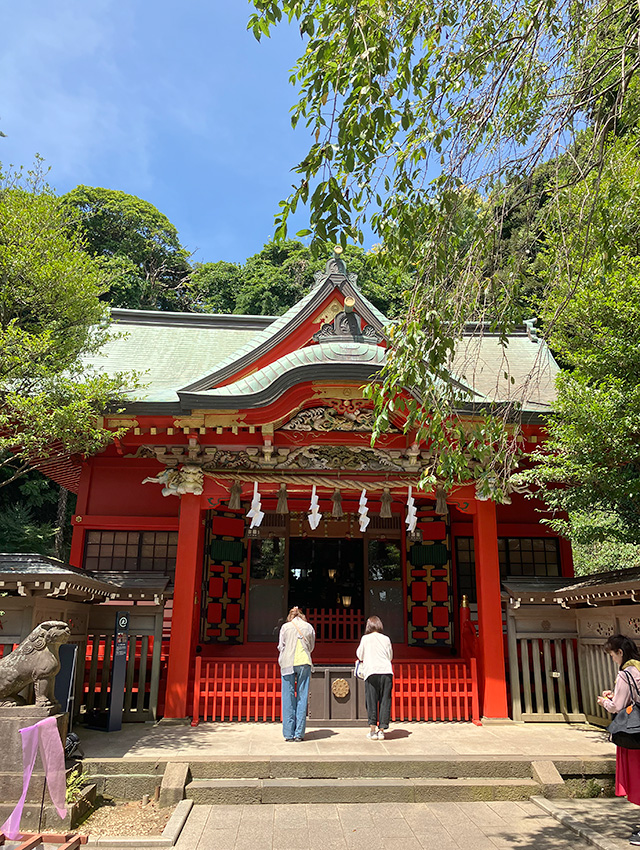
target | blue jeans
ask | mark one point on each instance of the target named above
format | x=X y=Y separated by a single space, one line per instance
x=295 y=693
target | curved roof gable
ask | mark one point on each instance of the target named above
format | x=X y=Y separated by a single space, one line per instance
x=271 y=344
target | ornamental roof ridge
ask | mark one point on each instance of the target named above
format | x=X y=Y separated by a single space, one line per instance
x=125 y=316
x=335 y=276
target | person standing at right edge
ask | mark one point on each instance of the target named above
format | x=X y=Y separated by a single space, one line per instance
x=375 y=653
x=624 y=654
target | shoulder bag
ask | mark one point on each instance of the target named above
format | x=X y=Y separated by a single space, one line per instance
x=624 y=729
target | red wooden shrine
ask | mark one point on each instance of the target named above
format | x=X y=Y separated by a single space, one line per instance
x=231 y=401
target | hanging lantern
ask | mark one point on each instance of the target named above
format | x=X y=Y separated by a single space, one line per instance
x=282 y=507
x=346 y=601
x=363 y=511
x=441 y=501
x=255 y=511
x=234 y=496
x=332 y=573
x=385 y=504
x=411 y=519
x=314 y=514
x=336 y=508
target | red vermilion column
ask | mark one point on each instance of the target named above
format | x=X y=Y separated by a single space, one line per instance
x=76 y=555
x=185 y=606
x=485 y=536
x=566 y=557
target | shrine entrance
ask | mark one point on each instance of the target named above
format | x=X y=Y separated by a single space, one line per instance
x=325 y=573
x=339 y=582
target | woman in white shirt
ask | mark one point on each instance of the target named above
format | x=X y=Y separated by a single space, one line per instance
x=375 y=653
x=296 y=643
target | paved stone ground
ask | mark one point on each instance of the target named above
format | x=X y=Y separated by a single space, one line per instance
x=160 y=740
x=383 y=826
x=608 y=823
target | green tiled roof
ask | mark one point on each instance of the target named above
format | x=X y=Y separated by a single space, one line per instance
x=183 y=358
x=168 y=355
x=328 y=352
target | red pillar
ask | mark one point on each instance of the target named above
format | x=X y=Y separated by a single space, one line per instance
x=494 y=685
x=185 y=606
x=566 y=557
x=76 y=556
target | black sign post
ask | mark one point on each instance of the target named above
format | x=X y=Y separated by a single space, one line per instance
x=118 y=671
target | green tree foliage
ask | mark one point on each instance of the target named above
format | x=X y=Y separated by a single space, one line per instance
x=20 y=531
x=592 y=316
x=415 y=107
x=279 y=275
x=214 y=287
x=51 y=319
x=138 y=248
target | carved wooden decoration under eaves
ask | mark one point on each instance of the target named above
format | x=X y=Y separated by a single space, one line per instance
x=341 y=457
x=327 y=418
x=210 y=459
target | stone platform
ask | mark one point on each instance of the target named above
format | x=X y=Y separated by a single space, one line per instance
x=235 y=763
x=211 y=741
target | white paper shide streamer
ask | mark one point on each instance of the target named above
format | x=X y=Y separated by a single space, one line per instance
x=412 y=517
x=255 y=511
x=363 y=511
x=314 y=514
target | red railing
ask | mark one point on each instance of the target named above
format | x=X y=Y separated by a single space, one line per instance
x=435 y=690
x=250 y=690
x=236 y=690
x=337 y=624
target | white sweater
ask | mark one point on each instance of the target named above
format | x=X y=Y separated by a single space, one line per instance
x=376 y=653
x=289 y=635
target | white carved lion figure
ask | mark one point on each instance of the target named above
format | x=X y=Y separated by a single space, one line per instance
x=189 y=479
x=36 y=660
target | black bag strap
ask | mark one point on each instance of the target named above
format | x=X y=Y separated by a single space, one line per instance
x=632 y=685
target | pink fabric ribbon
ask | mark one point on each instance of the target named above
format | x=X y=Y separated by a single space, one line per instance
x=45 y=733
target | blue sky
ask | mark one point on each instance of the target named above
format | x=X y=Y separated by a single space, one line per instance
x=174 y=102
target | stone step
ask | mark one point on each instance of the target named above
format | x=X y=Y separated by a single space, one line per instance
x=140 y=774
x=32 y=821
x=384 y=767
x=11 y=787
x=358 y=790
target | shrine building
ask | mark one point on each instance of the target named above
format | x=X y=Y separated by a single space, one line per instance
x=266 y=416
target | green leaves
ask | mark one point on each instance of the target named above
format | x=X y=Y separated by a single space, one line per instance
x=429 y=123
x=279 y=275
x=145 y=265
x=51 y=321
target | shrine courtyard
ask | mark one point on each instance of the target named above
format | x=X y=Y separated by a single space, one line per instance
x=484 y=803
x=170 y=742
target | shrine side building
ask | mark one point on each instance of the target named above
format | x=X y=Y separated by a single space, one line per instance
x=236 y=409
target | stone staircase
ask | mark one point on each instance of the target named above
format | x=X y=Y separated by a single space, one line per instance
x=327 y=779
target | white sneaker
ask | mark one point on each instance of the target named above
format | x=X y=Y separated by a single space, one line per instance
x=372 y=736
x=380 y=735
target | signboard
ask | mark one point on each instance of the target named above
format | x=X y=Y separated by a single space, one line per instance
x=118 y=671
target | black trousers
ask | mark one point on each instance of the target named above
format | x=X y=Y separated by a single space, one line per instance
x=377 y=695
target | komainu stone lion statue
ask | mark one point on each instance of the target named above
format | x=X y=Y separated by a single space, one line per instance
x=35 y=660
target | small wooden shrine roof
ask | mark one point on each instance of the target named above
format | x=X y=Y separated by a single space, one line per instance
x=38 y=575
x=604 y=588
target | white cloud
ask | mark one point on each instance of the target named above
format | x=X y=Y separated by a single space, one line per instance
x=61 y=90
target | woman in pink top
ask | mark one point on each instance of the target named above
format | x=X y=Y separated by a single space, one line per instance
x=626 y=656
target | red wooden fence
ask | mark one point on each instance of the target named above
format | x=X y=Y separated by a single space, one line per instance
x=250 y=690
x=337 y=624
